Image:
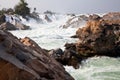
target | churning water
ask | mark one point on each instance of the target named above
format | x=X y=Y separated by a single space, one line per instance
x=51 y=36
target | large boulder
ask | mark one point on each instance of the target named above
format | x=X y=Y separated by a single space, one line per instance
x=23 y=59
x=100 y=36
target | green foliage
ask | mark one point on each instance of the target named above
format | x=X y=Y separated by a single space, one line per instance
x=3 y=11
x=22 y=9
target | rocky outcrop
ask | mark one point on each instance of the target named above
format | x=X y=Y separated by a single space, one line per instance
x=100 y=36
x=7 y=26
x=24 y=60
x=17 y=26
x=68 y=56
x=12 y=22
x=75 y=21
x=112 y=18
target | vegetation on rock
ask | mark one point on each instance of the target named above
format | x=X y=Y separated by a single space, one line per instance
x=22 y=8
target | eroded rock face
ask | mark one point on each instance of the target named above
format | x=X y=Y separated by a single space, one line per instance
x=100 y=36
x=75 y=21
x=24 y=60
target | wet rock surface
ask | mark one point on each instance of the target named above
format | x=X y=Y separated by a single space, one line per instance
x=76 y=21
x=68 y=56
x=23 y=59
x=99 y=37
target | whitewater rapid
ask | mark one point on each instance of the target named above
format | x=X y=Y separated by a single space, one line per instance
x=51 y=36
x=48 y=35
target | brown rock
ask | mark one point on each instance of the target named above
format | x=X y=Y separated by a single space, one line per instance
x=7 y=26
x=114 y=17
x=100 y=36
x=31 y=62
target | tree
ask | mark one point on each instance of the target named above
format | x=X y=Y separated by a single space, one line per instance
x=22 y=9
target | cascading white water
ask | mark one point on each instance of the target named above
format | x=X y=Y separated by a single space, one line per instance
x=51 y=36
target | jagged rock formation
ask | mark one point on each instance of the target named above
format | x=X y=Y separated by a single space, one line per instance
x=24 y=60
x=68 y=56
x=100 y=36
x=76 y=21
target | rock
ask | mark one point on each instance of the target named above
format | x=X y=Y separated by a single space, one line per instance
x=21 y=26
x=36 y=17
x=94 y=17
x=7 y=26
x=24 y=60
x=2 y=19
x=68 y=57
x=75 y=21
x=56 y=53
x=100 y=36
x=74 y=36
x=112 y=18
x=17 y=26
x=47 y=18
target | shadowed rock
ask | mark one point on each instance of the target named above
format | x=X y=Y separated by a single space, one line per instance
x=2 y=19
x=20 y=61
x=68 y=57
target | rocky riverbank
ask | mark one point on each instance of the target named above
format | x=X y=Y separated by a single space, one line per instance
x=23 y=59
x=99 y=37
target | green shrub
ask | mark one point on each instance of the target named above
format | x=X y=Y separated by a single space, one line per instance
x=22 y=9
